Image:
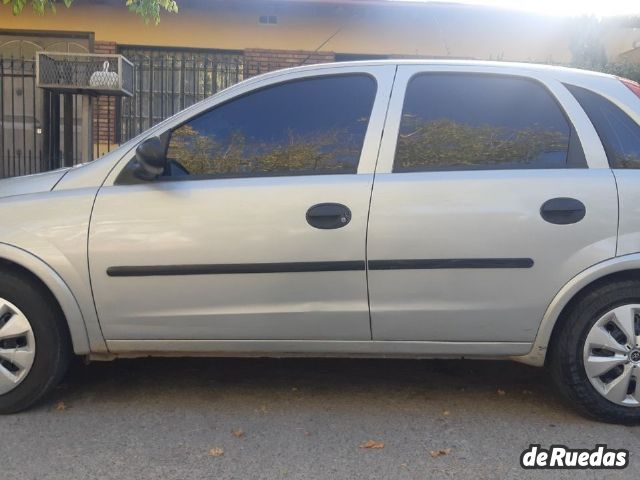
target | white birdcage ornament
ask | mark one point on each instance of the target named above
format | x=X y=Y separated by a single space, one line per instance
x=104 y=78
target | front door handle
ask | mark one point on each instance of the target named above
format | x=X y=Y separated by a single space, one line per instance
x=327 y=216
x=563 y=211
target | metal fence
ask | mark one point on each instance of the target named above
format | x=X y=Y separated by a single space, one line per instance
x=167 y=81
x=27 y=115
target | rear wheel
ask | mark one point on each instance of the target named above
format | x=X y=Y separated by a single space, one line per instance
x=595 y=354
x=34 y=344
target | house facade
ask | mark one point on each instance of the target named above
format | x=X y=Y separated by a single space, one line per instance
x=212 y=44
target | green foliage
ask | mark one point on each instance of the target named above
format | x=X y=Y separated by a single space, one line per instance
x=430 y=143
x=626 y=160
x=203 y=154
x=448 y=143
x=620 y=68
x=39 y=6
x=586 y=43
x=623 y=69
x=149 y=10
x=588 y=52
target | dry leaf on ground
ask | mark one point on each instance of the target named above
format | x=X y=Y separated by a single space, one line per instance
x=501 y=392
x=372 y=444
x=239 y=433
x=216 y=452
x=446 y=413
x=440 y=452
x=61 y=407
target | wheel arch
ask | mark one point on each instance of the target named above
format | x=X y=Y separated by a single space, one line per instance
x=618 y=267
x=15 y=258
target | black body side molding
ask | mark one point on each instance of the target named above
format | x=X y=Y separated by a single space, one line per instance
x=233 y=268
x=450 y=263
x=297 y=267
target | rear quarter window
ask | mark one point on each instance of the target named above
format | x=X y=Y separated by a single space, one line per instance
x=618 y=132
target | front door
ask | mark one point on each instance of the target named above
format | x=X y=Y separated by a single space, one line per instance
x=483 y=207
x=259 y=232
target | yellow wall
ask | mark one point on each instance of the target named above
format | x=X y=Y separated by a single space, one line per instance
x=432 y=30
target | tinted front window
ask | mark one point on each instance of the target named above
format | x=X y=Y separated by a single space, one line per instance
x=314 y=126
x=619 y=134
x=471 y=122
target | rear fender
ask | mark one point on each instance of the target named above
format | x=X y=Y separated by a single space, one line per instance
x=585 y=278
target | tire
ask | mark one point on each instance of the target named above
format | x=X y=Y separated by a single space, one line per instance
x=566 y=359
x=49 y=332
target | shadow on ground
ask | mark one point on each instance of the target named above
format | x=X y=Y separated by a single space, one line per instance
x=298 y=418
x=312 y=383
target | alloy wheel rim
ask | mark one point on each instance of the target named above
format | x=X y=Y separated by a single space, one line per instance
x=17 y=346
x=611 y=355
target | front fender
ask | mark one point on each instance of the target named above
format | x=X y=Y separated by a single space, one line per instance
x=58 y=288
x=53 y=227
x=538 y=352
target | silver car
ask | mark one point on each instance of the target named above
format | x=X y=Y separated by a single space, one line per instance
x=413 y=209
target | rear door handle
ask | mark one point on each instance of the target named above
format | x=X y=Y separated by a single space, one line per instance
x=563 y=211
x=328 y=216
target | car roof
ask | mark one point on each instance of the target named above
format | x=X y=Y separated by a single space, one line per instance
x=523 y=67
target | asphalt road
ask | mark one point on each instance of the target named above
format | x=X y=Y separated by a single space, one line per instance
x=298 y=418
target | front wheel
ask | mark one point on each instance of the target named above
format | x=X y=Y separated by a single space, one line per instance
x=34 y=344
x=595 y=353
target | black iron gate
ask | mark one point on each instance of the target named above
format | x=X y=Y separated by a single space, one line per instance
x=21 y=138
x=32 y=120
x=28 y=115
x=169 y=80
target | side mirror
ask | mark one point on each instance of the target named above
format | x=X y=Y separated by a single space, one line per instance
x=151 y=157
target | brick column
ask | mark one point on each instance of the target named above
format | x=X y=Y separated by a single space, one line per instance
x=257 y=60
x=104 y=112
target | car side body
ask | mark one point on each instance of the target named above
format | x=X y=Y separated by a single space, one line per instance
x=67 y=228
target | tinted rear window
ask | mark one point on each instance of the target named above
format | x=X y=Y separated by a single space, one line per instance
x=455 y=121
x=619 y=134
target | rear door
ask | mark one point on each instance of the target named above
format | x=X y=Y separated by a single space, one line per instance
x=615 y=113
x=484 y=205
